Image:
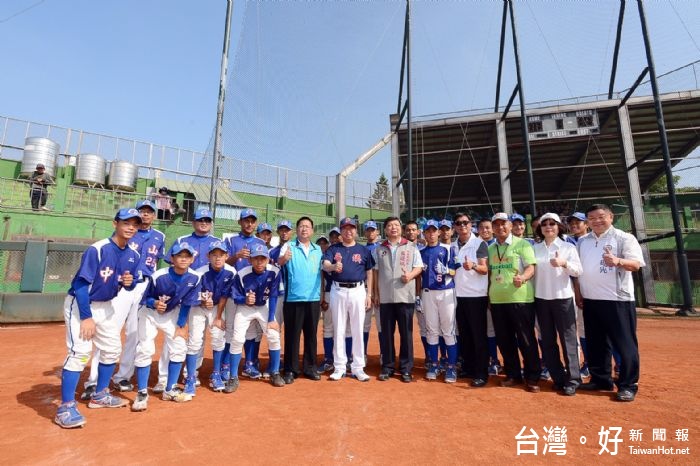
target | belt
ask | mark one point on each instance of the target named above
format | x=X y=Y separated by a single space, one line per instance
x=349 y=284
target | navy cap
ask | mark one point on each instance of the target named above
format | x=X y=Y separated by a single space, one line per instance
x=577 y=215
x=284 y=224
x=245 y=213
x=445 y=223
x=335 y=230
x=217 y=245
x=517 y=217
x=146 y=203
x=370 y=224
x=127 y=213
x=348 y=221
x=264 y=227
x=431 y=224
x=203 y=213
x=179 y=247
x=259 y=250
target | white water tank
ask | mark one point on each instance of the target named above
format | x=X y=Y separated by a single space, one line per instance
x=39 y=150
x=122 y=175
x=90 y=169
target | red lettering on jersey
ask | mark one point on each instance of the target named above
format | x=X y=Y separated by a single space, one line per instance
x=356 y=258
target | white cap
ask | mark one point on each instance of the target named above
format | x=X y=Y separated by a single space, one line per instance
x=500 y=216
x=550 y=215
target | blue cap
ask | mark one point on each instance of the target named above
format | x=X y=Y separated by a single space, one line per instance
x=127 y=213
x=146 y=203
x=203 y=213
x=259 y=250
x=284 y=224
x=264 y=227
x=517 y=217
x=179 y=247
x=348 y=221
x=217 y=245
x=577 y=215
x=445 y=223
x=370 y=224
x=431 y=224
x=245 y=213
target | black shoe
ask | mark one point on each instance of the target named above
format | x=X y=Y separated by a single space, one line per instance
x=465 y=375
x=510 y=382
x=288 y=378
x=384 y=376
x=312 y=375
x=569 y=390
x=406 y=377
x=625 y=395
x=276 y=380
x=478 y=382
x=89 y=391
x=592 y=386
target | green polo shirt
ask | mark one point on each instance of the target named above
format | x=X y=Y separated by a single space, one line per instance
x=505 y=262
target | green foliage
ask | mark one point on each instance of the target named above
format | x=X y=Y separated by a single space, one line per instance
x=381 y=197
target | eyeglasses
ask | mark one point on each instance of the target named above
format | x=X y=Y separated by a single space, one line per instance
x=204 y=220
x=549 y=223
x=462 y=223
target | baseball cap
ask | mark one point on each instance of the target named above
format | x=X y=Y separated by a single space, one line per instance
x=348 y=221
x=179 y=247
x=264 y=227
x=217 y=245
x=445 y=223
x=550 y=215
x=335 y=230
x=146 y=203
x=517 y=217
x=40 y=165
x=203 y=213
x=127 y=213
x=500 y=216
x=370 y=224
x=283 y=224
x=577 y=215
x=431 y=224
x=245 y=213
x=163 y=188
x=259 y=250
x=322 y=238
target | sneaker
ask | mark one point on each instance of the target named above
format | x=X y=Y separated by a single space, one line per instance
x=176 y=395
x=45 y=208
x=225 y=372
x=105 y=399
x=251 y=371
x=348 y=368
x=231 y=385
x=215 y=382
x=337 y=375
x=443 y=365
x=584 y=371
x=432 y=372
x=544 y=375
x=450 y=374
x=141 y=402
x=190 y=384
x=625 y=395
x=361 y=376
x=197 y=382
x=159 y=388
x=327 y=366
x=124 y=386
x=89 y=391
x=266 y=375
x=68 y=416
x=276 y=380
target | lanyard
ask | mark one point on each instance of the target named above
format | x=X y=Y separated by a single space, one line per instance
x=501 y=256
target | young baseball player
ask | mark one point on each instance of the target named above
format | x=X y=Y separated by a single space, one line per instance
x=217 y=280
x=438 y=299
x=255 y=290
x=284 y=232
x=90 y=315
x=445 y=239
x=326 y=280
x=166 y=304
x=372 y=237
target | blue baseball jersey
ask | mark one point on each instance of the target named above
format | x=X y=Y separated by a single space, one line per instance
x=274 y=260
x=175 y=290
x=356 y=259
x=238 y=242
x=102 y=266
x=201 y=248
x=264 y=285
x=437 y=264
x=217 y=283
x=372 y=246
x=150 y=244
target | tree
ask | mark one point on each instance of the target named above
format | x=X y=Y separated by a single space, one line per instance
x=659 y=186
x=381 y=198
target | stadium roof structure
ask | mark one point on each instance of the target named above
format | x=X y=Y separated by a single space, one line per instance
x=456 y=158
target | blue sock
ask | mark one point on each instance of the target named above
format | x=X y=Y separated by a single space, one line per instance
x=365 y=339
x=433 y=352
x=226 y=358
x=191 y=364
x=235 y=362
x=142 y=374
x=584 y=349
x=274 y=366
x=493 y=348
x=104 y=374
x=451 y=355
x=174 y=369
x=443 y=347
x=348 y=347
x=217 y=360
x=69 y=383
x=248 y=349
x=256 y=351
x=328 y=349
x=425 y=348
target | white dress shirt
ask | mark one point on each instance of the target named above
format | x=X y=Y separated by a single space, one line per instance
x=555 y=282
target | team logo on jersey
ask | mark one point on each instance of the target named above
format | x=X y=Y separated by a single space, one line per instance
x=382 y=252
x=131 y=259
x=164 y=298
x=153 y=249
x=134 y=246
x=106 y=273
x=357 y=258
x=205 y=295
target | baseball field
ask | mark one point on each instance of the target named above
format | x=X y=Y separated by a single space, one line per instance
x=365 y=423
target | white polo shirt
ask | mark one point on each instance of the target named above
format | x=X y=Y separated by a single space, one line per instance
x=599 y=281
x=555 y=282
x=470 y=283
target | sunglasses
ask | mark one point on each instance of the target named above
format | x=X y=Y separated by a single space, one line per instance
x=462 y=223
x=204 y=220
x=549 y=223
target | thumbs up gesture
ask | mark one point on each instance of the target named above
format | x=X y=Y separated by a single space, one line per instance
x=127 y=279
x=557 y=261
x=250 y=298
x=339 y=266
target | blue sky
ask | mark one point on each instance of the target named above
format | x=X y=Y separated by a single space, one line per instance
x=311 y=84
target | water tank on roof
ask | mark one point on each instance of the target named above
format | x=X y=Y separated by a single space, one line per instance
x=90 y=169
x=122 y=175
x=39 y=150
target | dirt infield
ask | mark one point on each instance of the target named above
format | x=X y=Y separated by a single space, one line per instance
x=348 y=421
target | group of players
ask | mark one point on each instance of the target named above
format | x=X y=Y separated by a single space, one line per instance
x=470 y=295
